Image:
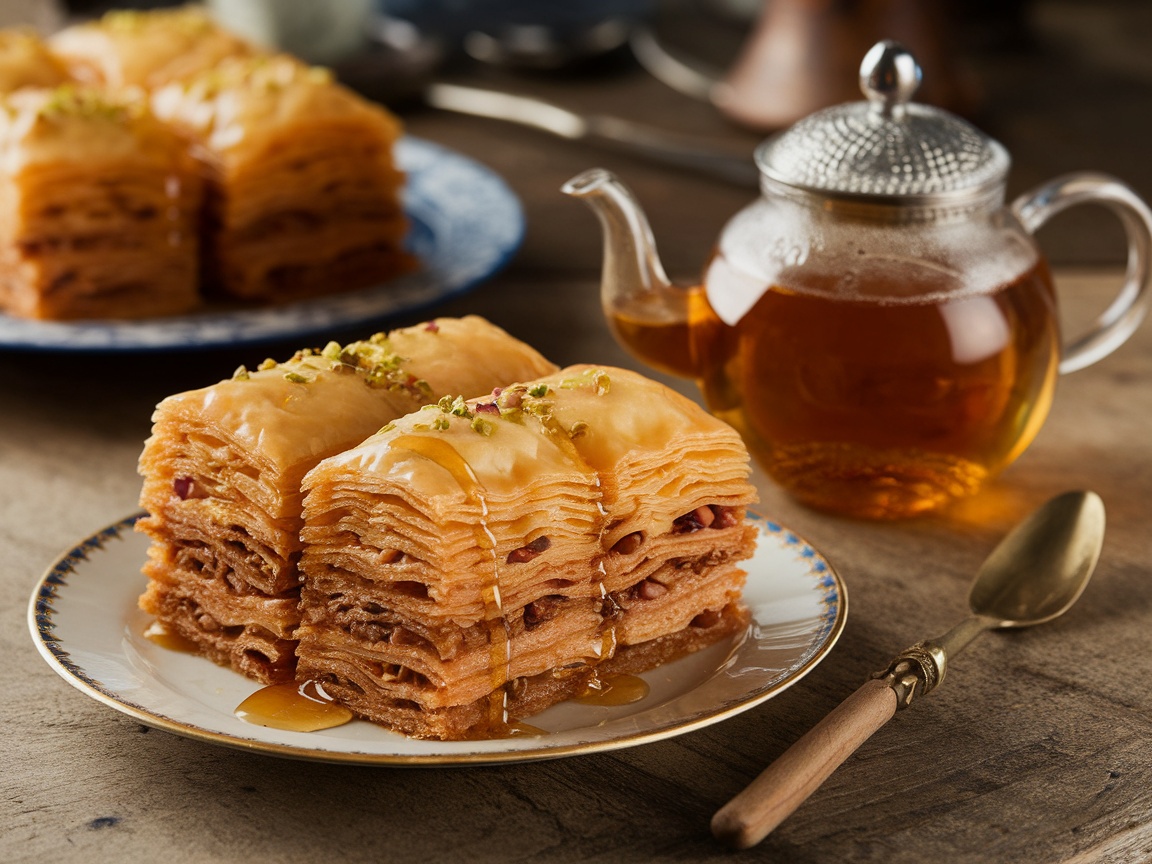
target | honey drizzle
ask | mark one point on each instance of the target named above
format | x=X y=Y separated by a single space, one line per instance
x=294 y=706
x=499 y=634
x=158 y=634
x=559 y=435
x=613 y=689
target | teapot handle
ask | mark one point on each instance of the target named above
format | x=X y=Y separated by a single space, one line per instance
x=1124 y=315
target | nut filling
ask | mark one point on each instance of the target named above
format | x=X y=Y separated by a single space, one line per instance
x=526 y=553
x=709 y=516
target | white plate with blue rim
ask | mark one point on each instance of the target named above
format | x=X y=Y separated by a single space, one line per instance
x=86 y=624
x=466 y=224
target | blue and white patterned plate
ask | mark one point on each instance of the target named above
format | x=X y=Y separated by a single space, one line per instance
x=466 y=225
x=85 y=622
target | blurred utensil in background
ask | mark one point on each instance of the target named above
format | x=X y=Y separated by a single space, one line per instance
x=401 y=68
x=802 y=56
x=616 y=133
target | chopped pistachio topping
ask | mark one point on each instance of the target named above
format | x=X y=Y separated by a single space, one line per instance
x=319 y=75
x=295 y=378
x=133 y=21
x=538 y=390
x=241 y=373
x=595 y=378
x=482 y=426
x=387 y=427
x=267 y=364
x=70 y=101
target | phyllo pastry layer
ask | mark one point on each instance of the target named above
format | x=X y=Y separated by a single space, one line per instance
x=25 y=61
x=303 y=193
x=99 y=204
x=145 y=49
x=479 y=560
x=223 y=467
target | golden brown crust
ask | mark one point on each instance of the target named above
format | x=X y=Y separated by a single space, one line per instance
x=527 y=696
x=145 y=49
x=303 y=197
x=25 y=61
x=543 y=530
x=99 y=208
x=223 y=466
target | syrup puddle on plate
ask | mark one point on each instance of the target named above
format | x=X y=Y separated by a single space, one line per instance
x=294 y=707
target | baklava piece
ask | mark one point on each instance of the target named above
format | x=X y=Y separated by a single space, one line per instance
x=99 y=205
x=480 y=560
x=223 y=466
x=303 y=195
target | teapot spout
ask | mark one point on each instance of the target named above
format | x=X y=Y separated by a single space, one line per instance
x=647 y=313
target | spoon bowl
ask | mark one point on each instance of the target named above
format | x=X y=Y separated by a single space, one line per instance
x=1042 y=566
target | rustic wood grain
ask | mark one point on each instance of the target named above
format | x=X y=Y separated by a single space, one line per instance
x=1036 y=749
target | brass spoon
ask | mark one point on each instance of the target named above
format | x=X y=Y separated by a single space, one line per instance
x=1033 y=576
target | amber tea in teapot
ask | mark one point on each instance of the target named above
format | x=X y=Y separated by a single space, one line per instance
x=872 y=406
x=879 y=326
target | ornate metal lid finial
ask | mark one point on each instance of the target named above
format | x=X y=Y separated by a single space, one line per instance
x=889 y=76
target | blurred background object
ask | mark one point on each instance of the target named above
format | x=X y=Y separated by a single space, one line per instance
x=319 y=32
x=46 y=16
x=804 y=55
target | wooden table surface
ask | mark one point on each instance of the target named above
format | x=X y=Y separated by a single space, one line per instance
x=1038 y=748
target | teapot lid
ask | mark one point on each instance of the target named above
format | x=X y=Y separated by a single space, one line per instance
x=887 y=150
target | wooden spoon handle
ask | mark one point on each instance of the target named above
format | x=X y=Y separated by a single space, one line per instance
x=786 y=783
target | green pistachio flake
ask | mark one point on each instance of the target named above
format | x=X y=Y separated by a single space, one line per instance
x=441 y=424
x=596 y=378
x=420 y=427
x=295 y=378
x=578 y=429
x=388 y=427
x=267 y=364
x=241 y=374
x=538 y=390
x=332 y=351
x=319 y=75
x=70 y=101
x=516 y=415
x=482 y=426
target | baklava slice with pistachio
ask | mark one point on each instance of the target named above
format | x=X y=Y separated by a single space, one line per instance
x=479 y=560
x=99 y=205
x=223 y=467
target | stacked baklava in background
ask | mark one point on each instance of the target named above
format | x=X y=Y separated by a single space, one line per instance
x=152 y=160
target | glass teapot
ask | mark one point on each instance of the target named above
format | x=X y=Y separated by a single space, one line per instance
x=878 y=325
